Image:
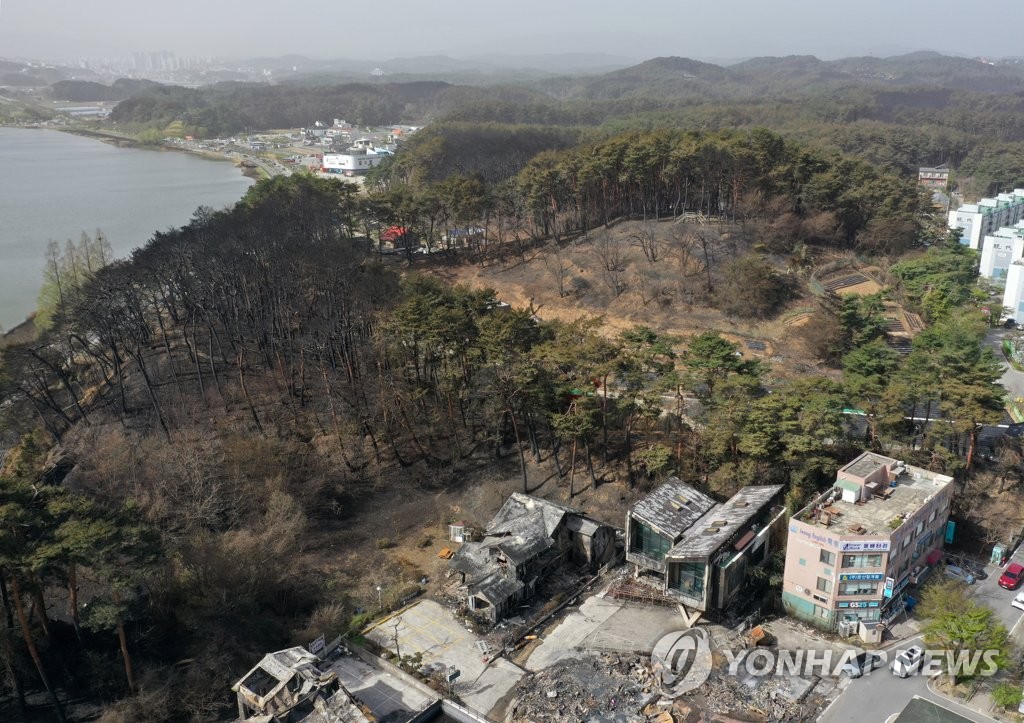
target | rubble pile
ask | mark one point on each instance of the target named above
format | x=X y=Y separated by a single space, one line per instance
x=590 y=688
x=765 y=698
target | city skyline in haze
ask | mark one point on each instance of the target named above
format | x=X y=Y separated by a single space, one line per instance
x=58 y=30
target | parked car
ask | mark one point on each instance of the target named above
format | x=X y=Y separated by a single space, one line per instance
x=908 y=662
x=1012 y=576
x=958 y=573
x=1018 y=602
x=863 y=663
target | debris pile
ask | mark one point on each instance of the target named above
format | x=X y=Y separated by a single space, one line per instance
x=601 y=687
x=624 y=689
x=773 y=698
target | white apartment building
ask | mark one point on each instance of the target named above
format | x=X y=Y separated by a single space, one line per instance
x=999 y=250
x=977 y=220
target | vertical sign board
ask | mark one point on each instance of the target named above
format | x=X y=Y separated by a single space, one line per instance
x=950 y=529
x=318 y=645
x=890 y=583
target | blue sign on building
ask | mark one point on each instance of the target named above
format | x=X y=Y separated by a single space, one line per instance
x=855 y=576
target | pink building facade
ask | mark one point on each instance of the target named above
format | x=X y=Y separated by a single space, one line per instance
x=853 y=550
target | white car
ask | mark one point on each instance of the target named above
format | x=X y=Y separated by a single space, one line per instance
x=958 y=573
x=908 y=662
x=1018 y=602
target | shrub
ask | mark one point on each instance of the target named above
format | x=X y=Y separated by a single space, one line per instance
x=1008 y=695
x=752 y=288
x=384 y=543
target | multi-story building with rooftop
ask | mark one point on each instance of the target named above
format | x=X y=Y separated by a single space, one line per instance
x=697 y=550
x=977 y=220
x=937 y=177
x=851 y=552
x=999 y=250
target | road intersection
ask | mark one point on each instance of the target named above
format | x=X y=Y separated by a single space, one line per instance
x=885 y=695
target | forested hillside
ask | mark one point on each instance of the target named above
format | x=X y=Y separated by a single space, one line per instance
x=228 y=108
x=215 y=443
x=235 y=404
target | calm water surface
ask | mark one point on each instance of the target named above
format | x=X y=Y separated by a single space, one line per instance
x=54 y=186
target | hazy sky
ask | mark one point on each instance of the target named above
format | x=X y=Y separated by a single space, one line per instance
x=641 y=28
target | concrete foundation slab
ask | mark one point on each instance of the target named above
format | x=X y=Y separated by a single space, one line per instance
x=431 y=630
x=387 y=696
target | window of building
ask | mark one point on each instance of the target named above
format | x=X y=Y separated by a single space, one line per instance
x=820 y=612
x=906 y=542
x=863 y=560
x=931 y=517
x=824 y=584
x=689 y=578
x=859 y=587
x=648 y=542
x=829 y=558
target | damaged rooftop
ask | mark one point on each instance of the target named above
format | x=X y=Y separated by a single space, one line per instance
x=721 y=522
x=673 y=507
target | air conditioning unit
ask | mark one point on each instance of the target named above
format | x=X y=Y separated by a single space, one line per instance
x=847 y=628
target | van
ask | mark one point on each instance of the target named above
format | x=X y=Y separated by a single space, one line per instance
x=908 y=662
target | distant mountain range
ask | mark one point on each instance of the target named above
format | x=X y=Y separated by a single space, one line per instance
x=685 y=77
x=603 y=77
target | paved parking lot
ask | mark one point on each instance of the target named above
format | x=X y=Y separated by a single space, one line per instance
x=391 y=699
x=429 y=629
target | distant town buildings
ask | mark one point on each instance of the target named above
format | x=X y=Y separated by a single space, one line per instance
x=851 y=552
x=696 y=549
x=352 y=162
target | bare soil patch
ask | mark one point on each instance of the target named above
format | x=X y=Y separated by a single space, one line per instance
x=669 y=295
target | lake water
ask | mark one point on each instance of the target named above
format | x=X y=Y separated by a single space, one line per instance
x=55 y=185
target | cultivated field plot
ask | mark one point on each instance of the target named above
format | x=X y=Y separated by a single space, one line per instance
x=429 y=629
x=852 y=283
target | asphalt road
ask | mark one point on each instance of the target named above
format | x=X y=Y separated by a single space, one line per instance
x=1012 y=379
x=880 y=695
x=987 y=591
x=889 y=694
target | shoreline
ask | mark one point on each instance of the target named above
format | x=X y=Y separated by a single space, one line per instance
x=19 y=333
x=13 y=330
x=123 y=141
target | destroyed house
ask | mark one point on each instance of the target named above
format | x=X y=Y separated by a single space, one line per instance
x=696 y=549
x=288 y=687
x=527 y=539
